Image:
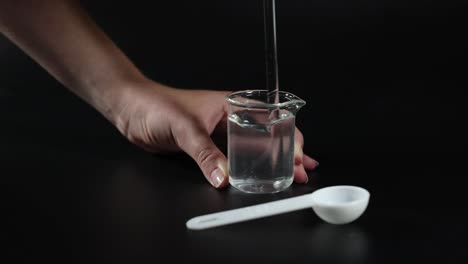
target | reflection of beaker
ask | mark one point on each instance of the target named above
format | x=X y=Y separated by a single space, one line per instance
x=261 y=140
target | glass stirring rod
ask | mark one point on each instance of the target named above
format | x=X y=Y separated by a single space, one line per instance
x=271 y=57
x=271 y=51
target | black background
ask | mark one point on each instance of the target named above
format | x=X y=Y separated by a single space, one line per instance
x=384 y=84
x=377 y=76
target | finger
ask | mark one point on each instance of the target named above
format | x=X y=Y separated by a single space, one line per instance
x=298 y=138
x=309 y=163
x=299 y=156
x=212 y=162
x=300 y=175
x=298 y=145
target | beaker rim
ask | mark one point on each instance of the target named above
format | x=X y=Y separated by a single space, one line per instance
x=286 y=99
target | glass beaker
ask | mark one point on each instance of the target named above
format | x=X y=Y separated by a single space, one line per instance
x=261 y=140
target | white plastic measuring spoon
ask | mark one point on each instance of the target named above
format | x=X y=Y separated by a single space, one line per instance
x=340 y=204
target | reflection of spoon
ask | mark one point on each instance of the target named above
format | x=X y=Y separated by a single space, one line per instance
x=336 y=205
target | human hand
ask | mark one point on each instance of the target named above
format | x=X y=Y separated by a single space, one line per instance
x=162 y=119
x=153 y=116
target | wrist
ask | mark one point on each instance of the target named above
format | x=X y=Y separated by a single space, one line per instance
x=112 y=98
x=128 y=98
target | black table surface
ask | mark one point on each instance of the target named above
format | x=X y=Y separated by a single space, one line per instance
x=75 y=190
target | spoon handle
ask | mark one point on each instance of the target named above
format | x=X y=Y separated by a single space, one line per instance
x=250 y=212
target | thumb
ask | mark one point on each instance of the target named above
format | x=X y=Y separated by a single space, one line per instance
x=212 y=162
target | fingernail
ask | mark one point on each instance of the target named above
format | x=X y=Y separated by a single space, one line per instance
x=217 y=177
x=298 y=149
x=317 y=163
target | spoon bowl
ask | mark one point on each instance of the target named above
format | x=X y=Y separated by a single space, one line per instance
x=340 y=204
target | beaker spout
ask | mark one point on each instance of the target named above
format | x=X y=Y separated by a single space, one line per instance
x=293 y=103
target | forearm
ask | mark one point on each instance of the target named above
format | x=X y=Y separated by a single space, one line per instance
x=60 y=36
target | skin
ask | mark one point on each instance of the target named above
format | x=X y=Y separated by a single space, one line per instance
x=65 y=41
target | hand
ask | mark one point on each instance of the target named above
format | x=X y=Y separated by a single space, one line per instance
x=153 y=116
x=162 y=119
